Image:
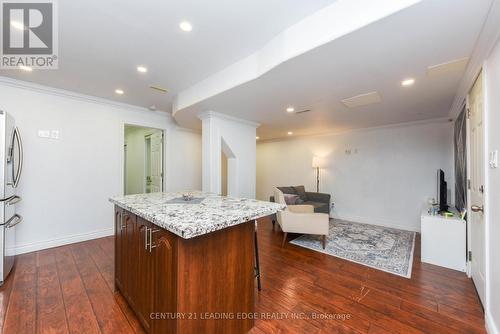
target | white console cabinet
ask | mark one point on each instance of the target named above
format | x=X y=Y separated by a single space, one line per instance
x=444 y=240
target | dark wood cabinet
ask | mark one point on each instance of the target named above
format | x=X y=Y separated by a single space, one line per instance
x=128 y=263
x=133 y=266
x=177 y=285
x=164 y=265
x=144 y=275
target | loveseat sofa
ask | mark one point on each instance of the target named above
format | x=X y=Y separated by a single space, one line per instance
x=320 y=201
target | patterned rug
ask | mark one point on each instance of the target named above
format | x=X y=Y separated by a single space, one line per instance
x=383 y=248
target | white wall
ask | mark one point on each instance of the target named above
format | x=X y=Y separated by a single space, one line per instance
x=492 y=204
x=386 y=182
x=183 y=154
x=66 y=183
x=237 y=138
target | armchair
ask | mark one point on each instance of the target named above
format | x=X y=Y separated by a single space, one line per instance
x=301 y=219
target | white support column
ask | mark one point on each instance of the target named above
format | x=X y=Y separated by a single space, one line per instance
x=237 y=138
x=211 y=148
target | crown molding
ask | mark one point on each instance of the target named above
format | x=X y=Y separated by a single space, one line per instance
x=367 y=129
x=213 y=114
x=26 y=85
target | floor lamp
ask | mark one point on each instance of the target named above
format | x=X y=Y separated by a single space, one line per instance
x=318 y=162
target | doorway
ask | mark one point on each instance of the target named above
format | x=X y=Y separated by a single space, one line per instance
x=223 y=168
x=476 y=192
x=143 y=160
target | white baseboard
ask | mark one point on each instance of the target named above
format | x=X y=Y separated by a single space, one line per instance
x=56 y=242
x=491 y=327
x=375 y=221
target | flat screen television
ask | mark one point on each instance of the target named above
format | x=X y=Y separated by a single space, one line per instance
x=442 y=191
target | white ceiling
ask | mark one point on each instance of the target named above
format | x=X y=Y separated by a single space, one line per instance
x=375 y=58
x=102 y=42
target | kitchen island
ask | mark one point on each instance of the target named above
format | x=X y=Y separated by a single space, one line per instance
x=187 y=266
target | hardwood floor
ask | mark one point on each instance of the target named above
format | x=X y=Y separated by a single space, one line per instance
x=70 y=289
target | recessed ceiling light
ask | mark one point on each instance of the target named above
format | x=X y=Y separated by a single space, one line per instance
x=25 y=68
x=17 y=25
x=407 y=82
x=142 y=69
x=257 y=137
x=185 y=26
x=290 y=133
x=290 y=109
x=119 y=91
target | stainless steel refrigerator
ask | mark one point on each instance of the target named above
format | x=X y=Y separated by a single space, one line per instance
x=11 y=166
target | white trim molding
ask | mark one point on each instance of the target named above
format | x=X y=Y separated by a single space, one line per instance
x=213 y=114
x=491 y=326
x=74 y=95
x=377 y=222
x=371 y=128
x=56 y=242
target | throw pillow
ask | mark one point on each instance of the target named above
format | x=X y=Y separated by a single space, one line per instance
x=287 y=190
x=290 y=199
x=301 y=191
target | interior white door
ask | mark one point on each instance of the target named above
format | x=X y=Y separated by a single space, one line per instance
x=477 y=158
x=157 y=162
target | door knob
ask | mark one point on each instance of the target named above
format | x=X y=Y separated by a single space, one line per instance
x=477 y=208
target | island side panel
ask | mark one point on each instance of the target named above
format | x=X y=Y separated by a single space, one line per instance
x=118 y=248
x=216 y=278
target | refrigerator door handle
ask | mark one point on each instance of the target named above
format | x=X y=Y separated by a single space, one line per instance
x=13 y=200
x=13 y=221
x=17 y=175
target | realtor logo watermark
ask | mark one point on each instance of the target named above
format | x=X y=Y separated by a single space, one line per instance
x=29 y=34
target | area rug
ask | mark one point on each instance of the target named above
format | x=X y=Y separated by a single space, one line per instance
x=382 y=248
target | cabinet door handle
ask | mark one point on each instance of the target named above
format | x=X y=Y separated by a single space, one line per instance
x=122 y=217
x=146 y=238
x=151 y=246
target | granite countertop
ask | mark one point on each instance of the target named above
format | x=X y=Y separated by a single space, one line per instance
x=204 y=214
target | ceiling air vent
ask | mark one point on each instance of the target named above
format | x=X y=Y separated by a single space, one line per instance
x=158 y=88
x=362 y=100
x=303 y=111
x=457 y=65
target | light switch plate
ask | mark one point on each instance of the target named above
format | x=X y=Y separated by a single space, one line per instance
x=44 y=133
x=493 y=159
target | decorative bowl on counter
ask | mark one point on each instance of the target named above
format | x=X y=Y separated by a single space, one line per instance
x=187 y=197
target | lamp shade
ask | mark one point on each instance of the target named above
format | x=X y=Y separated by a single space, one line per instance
x=319 y=162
